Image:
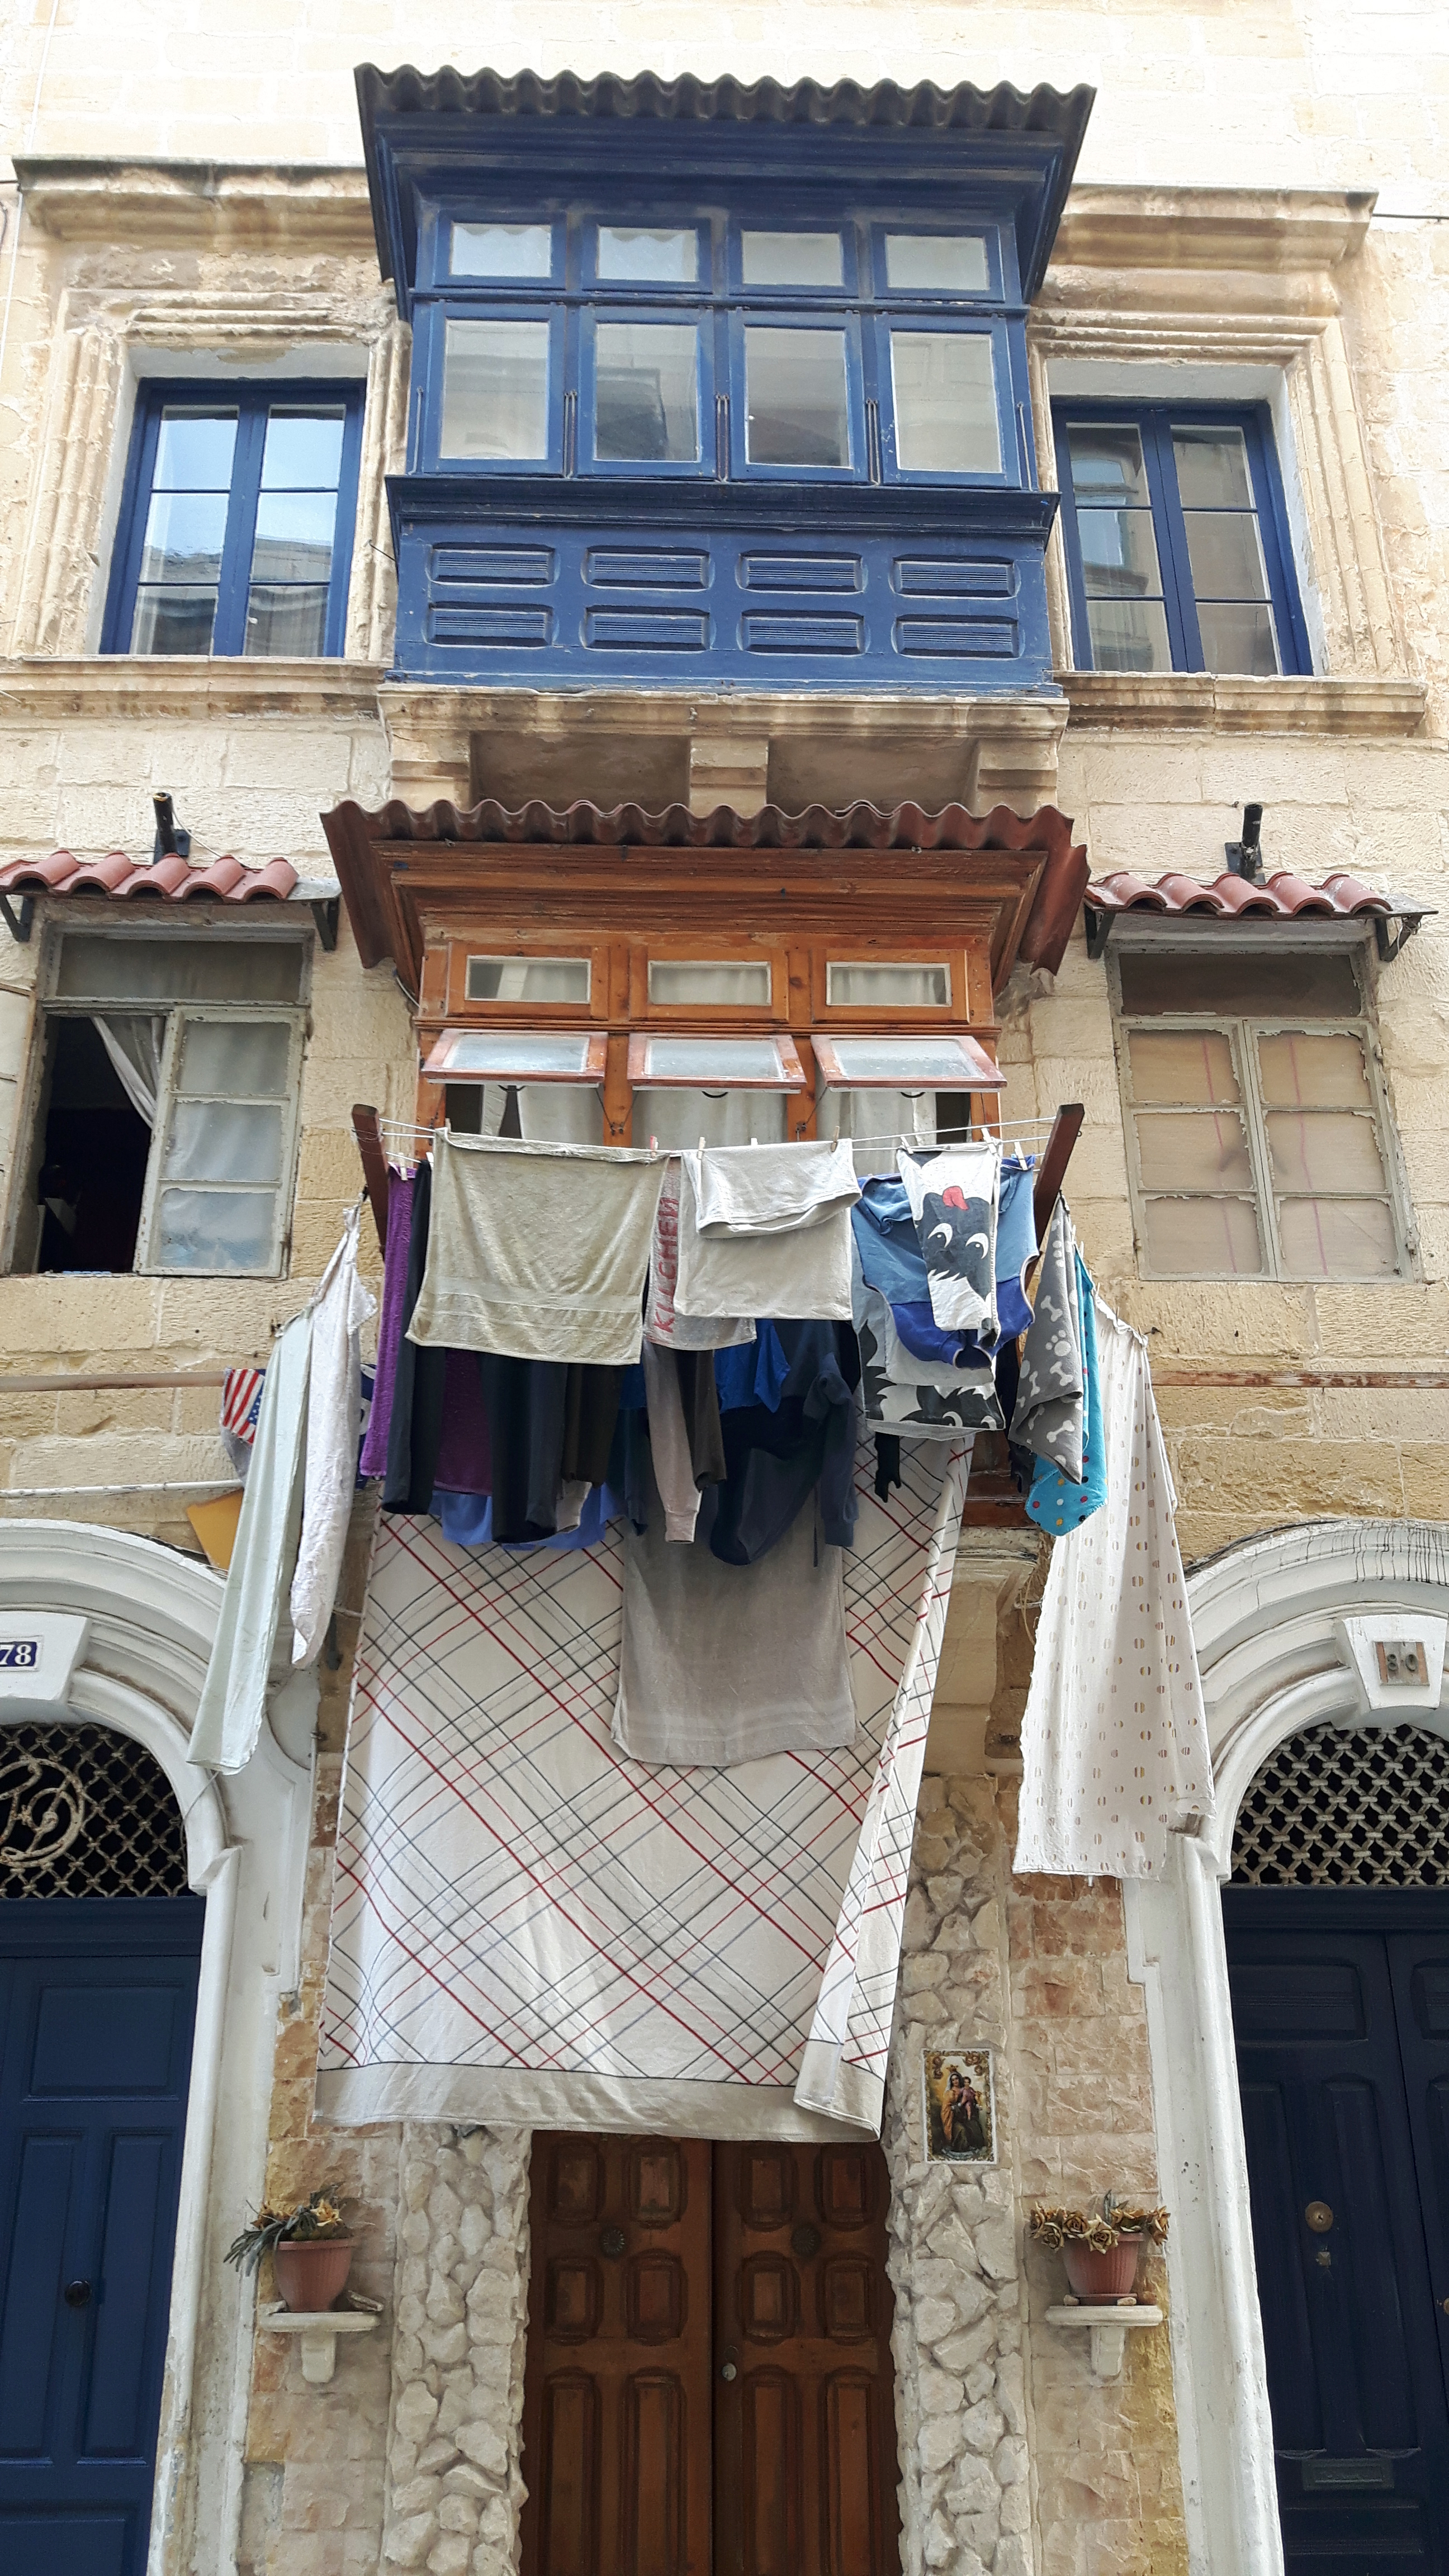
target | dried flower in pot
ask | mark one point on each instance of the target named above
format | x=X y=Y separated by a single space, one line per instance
x=1101 y=2248
x=310 y=2248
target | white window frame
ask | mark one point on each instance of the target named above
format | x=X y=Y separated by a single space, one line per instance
x=1175 y=946
x=180 y=1017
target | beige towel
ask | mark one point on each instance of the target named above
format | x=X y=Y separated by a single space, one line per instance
x=538 y=1251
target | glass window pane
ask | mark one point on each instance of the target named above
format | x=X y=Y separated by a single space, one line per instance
x=222 y=1141
x=646 y=400
x=303 y=451
x=1182 y=1066
x=658 y=258
x=99 y=966
x=1226 y=555
x=292 y=621
x=945 y=400
x=1119 y=554
x=928 y=262
x=1202 y=1238
x=1240 y=640
x=870 y=987
x=711 y=1060
x=909 y=1063
x=677 y=1119
x=1208 y=1151
x=1317 y=981
x=795 y=398
x=1313 y=1072
x=294 y=536
x=1128 y=635
x=1324 y=1149
x=1107 y=467
x=215 y=1229
x=500 y=1052
x=792 y=259
x=234 y=1060
x=184 y=536
x=701 y=980
x=495 y=390
x=173 y=621
x=501 y=250
x=528 y=979
x=1337 y=1239
x=1212 y=469
x=194 y=451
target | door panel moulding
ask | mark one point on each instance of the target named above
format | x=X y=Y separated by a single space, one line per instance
x=152 y=1618
x=1266 y=1619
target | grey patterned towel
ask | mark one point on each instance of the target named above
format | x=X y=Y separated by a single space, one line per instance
x=1048 y=1414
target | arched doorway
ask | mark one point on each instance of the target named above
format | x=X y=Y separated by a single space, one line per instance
x=1337 y=1927
x=141 y=1619
x=100 y=1948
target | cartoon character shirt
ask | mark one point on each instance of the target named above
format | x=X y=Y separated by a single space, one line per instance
x=955 y=1197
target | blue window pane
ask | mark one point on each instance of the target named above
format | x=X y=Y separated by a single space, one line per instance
x=656 y=258
x=294 y=536
x=290 y=620
x=194 y=451
x=936 y=263
x=173 y=621
x=185 y=532
x=647 y=398
x=792 y=259
x=303 y=451
x=501 y=250
x=795 y=395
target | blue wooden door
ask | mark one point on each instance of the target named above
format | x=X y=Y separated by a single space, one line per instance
x=1341 y=2017
x=97 y=2003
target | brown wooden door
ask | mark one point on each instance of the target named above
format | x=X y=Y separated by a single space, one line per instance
x=709 y=2388
x=805 y=2464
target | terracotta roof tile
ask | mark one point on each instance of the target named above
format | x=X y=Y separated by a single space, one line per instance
x=170 y=880
x=1284 y=897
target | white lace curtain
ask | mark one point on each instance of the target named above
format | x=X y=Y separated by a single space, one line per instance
x=135 y=1042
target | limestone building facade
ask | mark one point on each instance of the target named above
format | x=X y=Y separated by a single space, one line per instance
x=1244 y=275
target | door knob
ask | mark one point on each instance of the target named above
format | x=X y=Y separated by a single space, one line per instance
x=77 y=2294
x=1319 y=2217
x=1444 y=2304
x=728 y=2370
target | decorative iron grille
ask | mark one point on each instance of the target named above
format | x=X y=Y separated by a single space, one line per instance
x=1330 y=1809
x=86 y=1812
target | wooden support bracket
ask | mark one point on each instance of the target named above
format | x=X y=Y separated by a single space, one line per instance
x=374 y=1165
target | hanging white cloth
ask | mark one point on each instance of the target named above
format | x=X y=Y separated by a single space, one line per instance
x=1114 y=1743
x=334 y=1422
x=135 y=1041
x=233 y=1696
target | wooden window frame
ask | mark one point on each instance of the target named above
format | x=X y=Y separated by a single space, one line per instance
x=180 y=1017
x=1242 y=1031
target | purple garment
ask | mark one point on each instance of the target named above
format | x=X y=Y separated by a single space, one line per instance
x=465 y=1459
x=373 y=1461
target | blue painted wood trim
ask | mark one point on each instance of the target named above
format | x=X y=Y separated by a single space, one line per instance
x=89 y=1926
x=550 y=583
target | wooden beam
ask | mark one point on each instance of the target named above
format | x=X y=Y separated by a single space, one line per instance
x=374 y=1165
x=1052 y=1169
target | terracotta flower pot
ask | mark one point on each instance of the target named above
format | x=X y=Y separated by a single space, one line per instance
x=1099 y=2280
x=311 y=2272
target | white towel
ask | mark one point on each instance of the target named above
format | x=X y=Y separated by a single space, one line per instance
x=769 y=1241
x=334 y=1420
x=234 y=1693
x=538 y=1251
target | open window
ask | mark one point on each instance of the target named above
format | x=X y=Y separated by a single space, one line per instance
x=164 y=1132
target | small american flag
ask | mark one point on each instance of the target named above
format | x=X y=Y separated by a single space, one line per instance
x=241 y=1400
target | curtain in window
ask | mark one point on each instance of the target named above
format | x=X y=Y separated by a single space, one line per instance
x=135 y=1042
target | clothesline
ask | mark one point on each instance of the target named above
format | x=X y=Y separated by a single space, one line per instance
x=410 y=1128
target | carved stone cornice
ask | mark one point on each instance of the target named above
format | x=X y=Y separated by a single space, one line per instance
x=1201 y=702
x=1266 y=230
x=184 y=689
